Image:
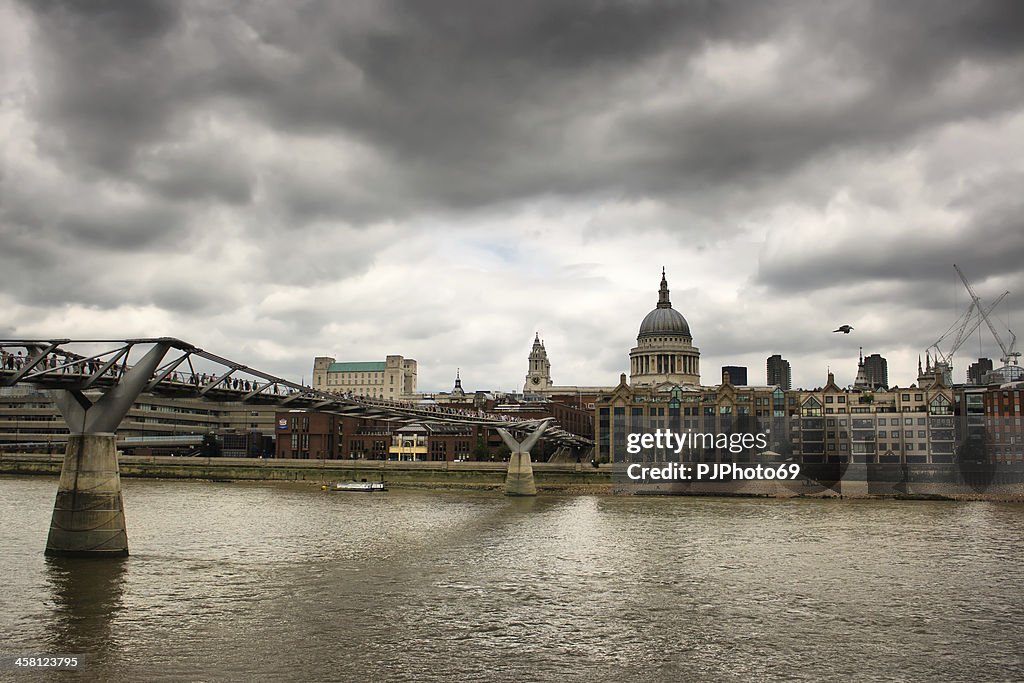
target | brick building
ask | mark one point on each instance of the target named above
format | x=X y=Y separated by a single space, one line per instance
x=1004 y=435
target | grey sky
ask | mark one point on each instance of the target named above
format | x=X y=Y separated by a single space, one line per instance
x=274 y=181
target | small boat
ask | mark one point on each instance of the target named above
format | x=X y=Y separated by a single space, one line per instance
x=363 y=486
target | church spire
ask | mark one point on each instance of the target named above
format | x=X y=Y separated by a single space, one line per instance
x=663 y=301
x=861 y=382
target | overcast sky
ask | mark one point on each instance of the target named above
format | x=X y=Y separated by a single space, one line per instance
x=441 y=180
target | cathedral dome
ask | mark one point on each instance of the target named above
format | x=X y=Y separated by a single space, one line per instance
x=664 y=320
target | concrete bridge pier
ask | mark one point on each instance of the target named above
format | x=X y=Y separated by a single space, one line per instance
x=519 y=480
x=88 y=513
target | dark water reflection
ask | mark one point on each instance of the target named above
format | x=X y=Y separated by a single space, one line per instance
x=230 y=580
x=85 y=600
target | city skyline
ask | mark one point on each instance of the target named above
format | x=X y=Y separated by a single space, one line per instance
x=370 y=179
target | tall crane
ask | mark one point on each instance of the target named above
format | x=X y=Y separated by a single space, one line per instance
x=968 y=323
x=1010 y=354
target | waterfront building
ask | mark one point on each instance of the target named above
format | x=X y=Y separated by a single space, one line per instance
x=737 y=375
x=721 y=409
x=393 y=378
x=1003 y=415
x=155 y=425
x=779 y=373
x=971 y=435
x=836 y=425
x=311 y=435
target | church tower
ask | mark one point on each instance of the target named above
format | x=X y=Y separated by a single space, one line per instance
x=458 y=390
x=861 y=382
x=539 y=375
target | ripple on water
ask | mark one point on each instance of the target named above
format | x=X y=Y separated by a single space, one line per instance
x=227 y=579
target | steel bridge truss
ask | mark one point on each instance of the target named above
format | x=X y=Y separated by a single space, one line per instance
x=172 y=367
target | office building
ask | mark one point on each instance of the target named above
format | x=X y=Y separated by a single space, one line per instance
x=737 y=375
x=876 y=370
x=977 y=371
x=779 y=373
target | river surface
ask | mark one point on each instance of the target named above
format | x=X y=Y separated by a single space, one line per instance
x=278 y=582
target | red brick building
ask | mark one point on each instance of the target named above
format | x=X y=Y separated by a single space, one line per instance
x=1003 y=434
x=311 y=435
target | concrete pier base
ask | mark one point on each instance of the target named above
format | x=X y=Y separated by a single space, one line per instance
x=88 y=514
x=519 y=480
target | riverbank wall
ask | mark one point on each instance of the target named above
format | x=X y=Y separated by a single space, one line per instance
x=566 y=477
x=935 y=482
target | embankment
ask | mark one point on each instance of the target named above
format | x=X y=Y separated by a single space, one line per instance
x=564 y=477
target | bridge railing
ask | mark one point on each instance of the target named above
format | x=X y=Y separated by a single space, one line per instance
x=190 y=370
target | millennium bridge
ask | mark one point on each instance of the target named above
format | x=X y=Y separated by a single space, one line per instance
x=94 y=383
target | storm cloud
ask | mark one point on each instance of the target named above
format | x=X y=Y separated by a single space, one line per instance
x=443 y=179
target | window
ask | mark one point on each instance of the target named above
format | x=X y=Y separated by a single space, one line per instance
x=940 y=406
x=811 y=407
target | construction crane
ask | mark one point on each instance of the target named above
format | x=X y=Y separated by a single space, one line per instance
x=1010 y=354
x=968 y=323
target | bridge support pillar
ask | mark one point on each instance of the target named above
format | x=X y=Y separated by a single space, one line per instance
x=88 y=514
x=519 y=479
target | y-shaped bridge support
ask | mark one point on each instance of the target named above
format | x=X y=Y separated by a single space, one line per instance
x=519 y=480
x=88 y=515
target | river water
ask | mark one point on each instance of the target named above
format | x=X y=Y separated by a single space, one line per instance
x=276 y=582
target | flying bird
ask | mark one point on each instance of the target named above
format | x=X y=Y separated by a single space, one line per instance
x=845 y=329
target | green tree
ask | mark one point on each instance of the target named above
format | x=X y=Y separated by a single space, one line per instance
x=481 y=452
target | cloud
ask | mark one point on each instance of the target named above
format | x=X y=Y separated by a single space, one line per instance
x=357 y=179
